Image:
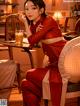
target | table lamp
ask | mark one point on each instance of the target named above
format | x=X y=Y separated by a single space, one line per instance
x=57 y=16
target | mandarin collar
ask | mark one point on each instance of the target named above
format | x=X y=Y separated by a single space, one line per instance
x=39 y=21
x=34 y=26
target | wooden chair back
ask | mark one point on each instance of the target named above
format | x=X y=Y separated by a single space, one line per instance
x=12 y=24
x=70 y=22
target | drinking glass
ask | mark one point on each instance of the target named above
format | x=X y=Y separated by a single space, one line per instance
x=19 y=37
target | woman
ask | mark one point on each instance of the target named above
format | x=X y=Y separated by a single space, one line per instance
x=44 y=29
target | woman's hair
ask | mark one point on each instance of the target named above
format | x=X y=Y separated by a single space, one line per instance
x=39 y=3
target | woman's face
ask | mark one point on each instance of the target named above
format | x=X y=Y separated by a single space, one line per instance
x=32 y=12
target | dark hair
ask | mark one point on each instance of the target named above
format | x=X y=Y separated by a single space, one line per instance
x=39 y=3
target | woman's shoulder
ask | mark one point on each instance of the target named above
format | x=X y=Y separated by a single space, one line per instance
x=49 y=19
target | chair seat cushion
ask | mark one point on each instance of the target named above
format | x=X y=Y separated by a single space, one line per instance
x=69 y=37
x=72 y=87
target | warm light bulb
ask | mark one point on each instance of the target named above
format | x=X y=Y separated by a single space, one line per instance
x=57 y=15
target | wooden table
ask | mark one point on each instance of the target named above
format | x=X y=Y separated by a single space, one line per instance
x=24 y=46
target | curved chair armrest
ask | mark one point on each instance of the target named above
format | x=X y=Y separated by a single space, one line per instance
x=65 y=79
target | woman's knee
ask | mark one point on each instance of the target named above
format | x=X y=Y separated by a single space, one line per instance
x=29 y=86
x=30 y=99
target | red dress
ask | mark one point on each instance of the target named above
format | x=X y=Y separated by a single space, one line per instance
x=32 y=87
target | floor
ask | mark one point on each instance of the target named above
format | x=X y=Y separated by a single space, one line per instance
x=16 y=99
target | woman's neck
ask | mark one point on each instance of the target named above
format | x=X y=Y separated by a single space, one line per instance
x=36 y=20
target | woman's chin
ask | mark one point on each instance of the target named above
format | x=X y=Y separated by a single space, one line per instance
x=30 y=18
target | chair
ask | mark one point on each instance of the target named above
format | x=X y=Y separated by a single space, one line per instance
x=7 y=76
x=13 y=23
x=69 y=65
x=74 y=28
x=18 y=76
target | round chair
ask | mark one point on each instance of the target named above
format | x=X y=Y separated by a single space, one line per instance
x=69 y=67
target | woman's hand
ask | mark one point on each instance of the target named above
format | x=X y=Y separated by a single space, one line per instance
x=39 y=27
x=23 y=18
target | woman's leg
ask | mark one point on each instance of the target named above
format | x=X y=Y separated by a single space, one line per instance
x=31 y=94
x=31 y=99
x=55 y=87
x=32 y=87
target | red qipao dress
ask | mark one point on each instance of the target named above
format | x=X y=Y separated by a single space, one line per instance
x=52 y=44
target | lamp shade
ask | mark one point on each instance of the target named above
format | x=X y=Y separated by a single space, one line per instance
x=57 y=15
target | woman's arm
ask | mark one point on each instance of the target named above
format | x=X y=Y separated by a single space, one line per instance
x=48 y=25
